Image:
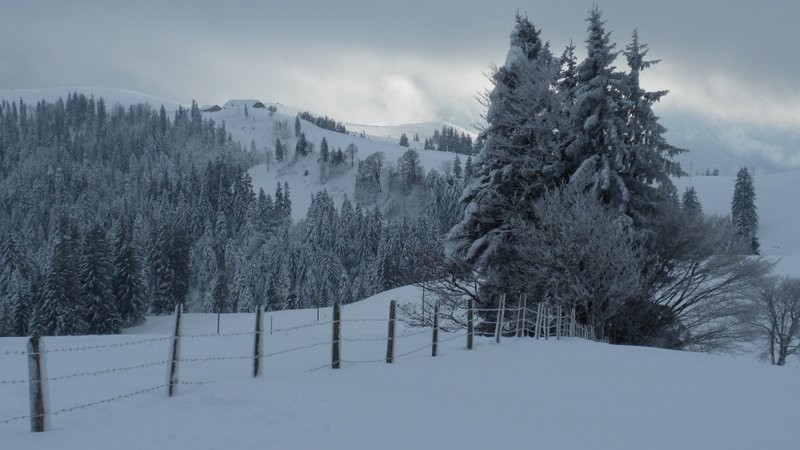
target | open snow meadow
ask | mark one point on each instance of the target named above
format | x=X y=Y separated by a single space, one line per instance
x=556 y=394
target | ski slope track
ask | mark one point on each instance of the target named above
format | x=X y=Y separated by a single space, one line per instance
x=110 y=391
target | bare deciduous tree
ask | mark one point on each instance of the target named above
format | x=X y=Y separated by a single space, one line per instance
x=701 y=273
x=582 y=254
x=777 y=319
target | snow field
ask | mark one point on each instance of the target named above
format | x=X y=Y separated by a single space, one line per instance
x=520 y=394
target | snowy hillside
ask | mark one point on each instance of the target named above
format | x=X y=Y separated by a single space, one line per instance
x=516 y=395
x=262 y=127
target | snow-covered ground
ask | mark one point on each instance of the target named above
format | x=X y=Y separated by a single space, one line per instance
x=517 y=395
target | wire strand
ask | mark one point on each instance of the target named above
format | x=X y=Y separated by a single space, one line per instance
x=108 y=400
x=104 y=346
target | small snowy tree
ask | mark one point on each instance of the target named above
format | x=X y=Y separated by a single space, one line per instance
x=690 y=203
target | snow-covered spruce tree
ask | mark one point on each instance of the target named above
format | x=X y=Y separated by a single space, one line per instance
x=220 y=295
x=324 y=151
x=12 y=259
x=170 y=260
x=743 y=210
x=127 y=285
x=690 y=203
x=649 y=159
x=301 y=149
x=62 y=309
x=18 y=302
x=100 y=308
x=404 y=140
x=615 y=144
x=517 y=163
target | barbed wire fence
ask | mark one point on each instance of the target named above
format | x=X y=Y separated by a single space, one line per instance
x=544 y=321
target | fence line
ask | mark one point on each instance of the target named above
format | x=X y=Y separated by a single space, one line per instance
x=543 y=321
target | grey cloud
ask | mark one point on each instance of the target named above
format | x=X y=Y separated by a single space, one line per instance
x=341 y=58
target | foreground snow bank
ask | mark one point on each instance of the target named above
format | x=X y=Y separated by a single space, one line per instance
x=520 y=394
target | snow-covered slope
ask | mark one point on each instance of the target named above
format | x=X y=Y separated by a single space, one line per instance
x=392 y=133
x=517 y=395
x=262 y=127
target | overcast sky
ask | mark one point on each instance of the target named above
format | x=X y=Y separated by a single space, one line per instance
x=731 y=67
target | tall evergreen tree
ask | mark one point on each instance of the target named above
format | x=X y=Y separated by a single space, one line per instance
x=62 y=309
x=128 y=288
x=518 y=160
x=615 y=146
x=101 y=312
x=19 y=302
x=280 y=150
x=220 y=295
x=743 y=209
x=301 y=149
x=323 y=150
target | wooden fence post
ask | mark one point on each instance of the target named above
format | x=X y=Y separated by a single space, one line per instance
x=547 y=326
x=435 y=328
x=390 y=340
x=175 y=353
x=539 y=313
x=335 y=360
x=572 y=323
x=257 y=344
x=518 y=315
x=37 y=383
x=558 y=322
x=524 y=314
x=500 y=318
x=470 y=324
